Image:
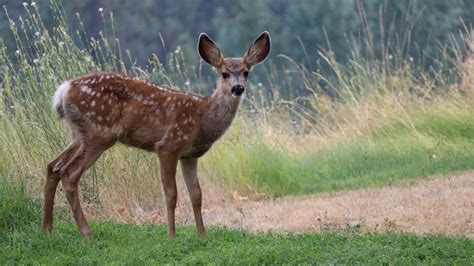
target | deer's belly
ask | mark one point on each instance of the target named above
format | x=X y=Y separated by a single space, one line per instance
x=196 y=151
x=140 y=138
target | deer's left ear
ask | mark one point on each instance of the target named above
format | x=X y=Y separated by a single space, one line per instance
x=258 y=51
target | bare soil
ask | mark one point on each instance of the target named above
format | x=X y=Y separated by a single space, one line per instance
x=439 y=205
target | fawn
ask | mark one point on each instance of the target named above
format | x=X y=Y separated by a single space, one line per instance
x=103 y=108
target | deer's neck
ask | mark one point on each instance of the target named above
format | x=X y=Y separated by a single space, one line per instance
x=221 y=112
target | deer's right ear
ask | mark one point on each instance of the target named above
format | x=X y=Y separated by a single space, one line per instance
x=258 y=51
x=209 y=51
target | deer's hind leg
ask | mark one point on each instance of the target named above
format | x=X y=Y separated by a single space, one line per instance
x=52 y=180
x=88 y=152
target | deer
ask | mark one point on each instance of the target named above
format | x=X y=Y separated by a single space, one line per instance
x=102 y=109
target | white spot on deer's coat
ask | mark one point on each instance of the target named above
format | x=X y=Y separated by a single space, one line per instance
x=92 y=93
x=102 y=107
x=86 y=89
x=99 y=118
x=110 y=101
x=100 y=79
x=93 y=103
x=83 y=102
x=90 y=114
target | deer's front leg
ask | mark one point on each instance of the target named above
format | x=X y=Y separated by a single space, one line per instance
x=168 y=163
x=189 y=169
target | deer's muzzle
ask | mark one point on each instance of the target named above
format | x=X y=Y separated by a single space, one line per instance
x=237 y=90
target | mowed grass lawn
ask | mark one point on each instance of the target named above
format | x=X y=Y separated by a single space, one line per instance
x=133 y=244
x=21 y=241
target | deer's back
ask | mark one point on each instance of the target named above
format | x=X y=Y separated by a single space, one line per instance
x=131 y=111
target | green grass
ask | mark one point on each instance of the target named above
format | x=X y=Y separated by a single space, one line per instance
x=21 y=241
x=438 y=143
x=130 y=244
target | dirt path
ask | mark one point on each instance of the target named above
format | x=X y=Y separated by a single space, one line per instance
x=443 y=205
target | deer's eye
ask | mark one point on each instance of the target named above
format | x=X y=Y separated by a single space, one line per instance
x=246 y=74
x=225 y=75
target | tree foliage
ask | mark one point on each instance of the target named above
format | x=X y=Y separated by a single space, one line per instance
x=298 y=28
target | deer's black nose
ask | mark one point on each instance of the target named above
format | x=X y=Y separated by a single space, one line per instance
x=237 y=90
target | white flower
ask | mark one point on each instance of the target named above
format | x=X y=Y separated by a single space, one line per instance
x=61 y=43
x=260 y=84
x=33 y=4
x=25 y=4
x=17 y=52
x=390 y=57
x=36 y=61
x=411 y=59
x=37 y=34
x=187 y=83
x=101 y=9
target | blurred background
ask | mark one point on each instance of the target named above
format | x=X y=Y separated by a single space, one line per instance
x=416 y=29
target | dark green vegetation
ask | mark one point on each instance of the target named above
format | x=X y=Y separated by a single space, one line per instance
x=21 y=241
x=416 y=26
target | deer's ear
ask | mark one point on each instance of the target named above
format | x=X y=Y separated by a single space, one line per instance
x=209 y=51
x=258 y=51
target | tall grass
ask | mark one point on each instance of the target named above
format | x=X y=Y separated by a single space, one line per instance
x=388 y=121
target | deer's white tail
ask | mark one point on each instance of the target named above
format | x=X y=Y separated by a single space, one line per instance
x=58 y=97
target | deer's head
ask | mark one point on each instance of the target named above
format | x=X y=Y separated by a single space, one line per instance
x=234 y=71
